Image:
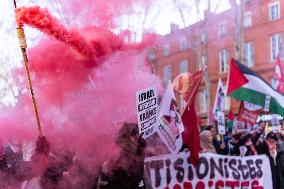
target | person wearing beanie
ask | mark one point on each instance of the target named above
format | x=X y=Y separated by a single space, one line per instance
x=268 y=147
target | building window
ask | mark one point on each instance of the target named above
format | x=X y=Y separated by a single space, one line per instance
x=275 y=46
x=227 y=100
x=167 y=73
x=249 y=54
x=183 y=44
x=203 y=101
x=202 y=62
x=152 y=55
x=222 y=29
x=224 y=56
x=274 y=83
x=183 y=66
x=274 y=11
x=247 y=20
x=166 y=50
x=203 y=37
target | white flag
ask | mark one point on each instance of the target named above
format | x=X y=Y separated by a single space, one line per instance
x=170 y=123
x=219 y=98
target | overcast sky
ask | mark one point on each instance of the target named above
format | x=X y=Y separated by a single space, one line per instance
x=162 y=14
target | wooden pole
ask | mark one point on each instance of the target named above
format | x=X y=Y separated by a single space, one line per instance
x=23 y=46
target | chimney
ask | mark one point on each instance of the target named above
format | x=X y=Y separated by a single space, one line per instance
x=208 y=14
x=174 y=27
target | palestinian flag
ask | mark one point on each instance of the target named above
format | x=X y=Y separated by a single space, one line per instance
x=279 y=75
x=246 y=85
x=230 y=120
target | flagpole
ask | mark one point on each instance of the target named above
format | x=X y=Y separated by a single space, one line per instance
x=194 y=89
x=23 y=46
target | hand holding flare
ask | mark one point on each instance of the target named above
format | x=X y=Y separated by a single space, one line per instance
x=23 y=46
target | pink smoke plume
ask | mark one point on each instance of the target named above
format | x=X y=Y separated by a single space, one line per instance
x=96 y=44
x=103 y=14
x=81 y=107
x=42 y=20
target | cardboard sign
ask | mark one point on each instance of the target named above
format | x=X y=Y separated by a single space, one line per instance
x=275 y=123
x=239 y=126
x=221 y=123
x=146 y=101
x=212 y=172
x=170 y=135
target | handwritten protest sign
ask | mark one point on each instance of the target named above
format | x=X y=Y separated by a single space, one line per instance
x=239 y=127
x=221 y=123
x=275 y=123
x=146 y=101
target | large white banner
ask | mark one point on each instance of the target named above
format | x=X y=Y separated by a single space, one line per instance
x=213 y=172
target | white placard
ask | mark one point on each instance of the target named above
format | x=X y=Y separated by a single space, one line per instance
x=146 y=101
x=221 y=123
x=275 y=123
x=239 y=126
x=267 y=104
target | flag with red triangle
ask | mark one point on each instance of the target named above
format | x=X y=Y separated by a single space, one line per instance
x=279 y=76
x=246 y=85
x=230 y=121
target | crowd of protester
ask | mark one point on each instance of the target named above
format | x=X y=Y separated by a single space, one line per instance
x=48 y=171
x=254 y=142
x=62 y=170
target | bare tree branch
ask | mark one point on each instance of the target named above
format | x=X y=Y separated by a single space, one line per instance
x=238 y=11
x=4 y=78
x=179 y=8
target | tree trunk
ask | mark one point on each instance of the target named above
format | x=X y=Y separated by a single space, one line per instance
x=238 y=11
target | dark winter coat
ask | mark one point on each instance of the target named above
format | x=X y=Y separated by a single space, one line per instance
x=280 y=162
x=262 y=148
x=126 y=174
x=240 y=142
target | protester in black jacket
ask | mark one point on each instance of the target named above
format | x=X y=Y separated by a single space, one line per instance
x=252 y=142
x=3 y=160
x=249 y=141
x=238 y=143
x=47 y=167
x=280 y=159
x=127 y=172
x=268 y=147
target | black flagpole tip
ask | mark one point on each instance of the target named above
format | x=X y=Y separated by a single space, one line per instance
x=15 y=3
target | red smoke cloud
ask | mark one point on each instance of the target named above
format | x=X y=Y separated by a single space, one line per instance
x=42 y=20
x=85 y=82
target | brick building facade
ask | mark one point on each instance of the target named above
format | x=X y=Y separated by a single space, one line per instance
x=210 y=41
